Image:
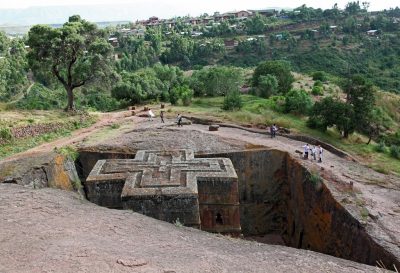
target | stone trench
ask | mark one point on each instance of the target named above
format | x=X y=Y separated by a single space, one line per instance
x=280 y=203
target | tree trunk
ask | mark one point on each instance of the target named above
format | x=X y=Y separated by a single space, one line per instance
x=70 y=94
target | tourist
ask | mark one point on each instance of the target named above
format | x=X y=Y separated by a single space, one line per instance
x=320 y=152
x=162 y=116
x=314 y=152
x=179 y=120
x=306 y=150
x=274 y=129
x=151 y=115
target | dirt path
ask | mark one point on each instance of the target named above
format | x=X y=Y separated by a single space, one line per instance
x=105 y=119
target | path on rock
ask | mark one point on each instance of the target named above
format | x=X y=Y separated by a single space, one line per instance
x=105 y=119
x=51 y=230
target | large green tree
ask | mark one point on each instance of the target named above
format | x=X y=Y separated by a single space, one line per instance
x=13 y=67
x=279 y=69
x=75 y=54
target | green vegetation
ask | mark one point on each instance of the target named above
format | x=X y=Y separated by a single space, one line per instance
x=336 y=104
x=315 y=178
x=68 y=123
x=76 y=54
x=256 y=111
x=69 y=151
x=279 y=69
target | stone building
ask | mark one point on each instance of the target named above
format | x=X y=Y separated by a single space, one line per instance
x=172 y=186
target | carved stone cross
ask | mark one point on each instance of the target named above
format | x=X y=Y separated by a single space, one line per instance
x=170 y=186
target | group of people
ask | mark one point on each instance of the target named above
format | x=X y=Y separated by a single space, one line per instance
x=314 y=152
x=151 y=115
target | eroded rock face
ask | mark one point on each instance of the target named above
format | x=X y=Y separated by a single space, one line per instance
x=41 y=171
x=278 y=197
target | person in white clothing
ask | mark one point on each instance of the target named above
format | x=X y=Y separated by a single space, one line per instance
x=151 y=115
x=320 y=152
x=314 y=152
x=306 y=150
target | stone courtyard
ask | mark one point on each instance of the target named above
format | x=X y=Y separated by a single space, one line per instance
x=172 y=186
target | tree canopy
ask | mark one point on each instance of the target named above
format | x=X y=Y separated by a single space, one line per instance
x=279 y=69
x=76 y=54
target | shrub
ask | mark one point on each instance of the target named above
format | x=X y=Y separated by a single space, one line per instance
x=173 y=96
x=319 y=76
x=380 y=147
x=317 y=91
x=315 y=178
x=318 y=83
x=395 y=151
x=69 y=151
x=268 y=86
x=298 y=101
x=5 y=133
x=100 y=101
x=186 y=94
x=232 y=101
x=279 y=69
x=315 y=123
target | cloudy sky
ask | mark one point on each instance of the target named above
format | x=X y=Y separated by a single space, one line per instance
x=195 y=5
x=57 y=11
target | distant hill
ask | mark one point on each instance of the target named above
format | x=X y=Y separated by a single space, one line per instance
x=109 y=12
x=14 y=30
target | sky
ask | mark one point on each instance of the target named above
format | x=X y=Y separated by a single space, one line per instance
x=205 y=4
x=28 y=12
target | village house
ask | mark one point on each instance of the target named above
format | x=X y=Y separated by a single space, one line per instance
x=266 y=12
x=230 y=44
x=113 y=41
x=372 y=32
x=240 y=14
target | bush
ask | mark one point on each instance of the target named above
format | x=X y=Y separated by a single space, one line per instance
x=186 y=94
x=42 y=98
x=395 y=151
x=279 y=69
x=318 y=83
x=174 y=96
x=380 y=147
x=315 y=123
x=298 y=102
x=319 y=76
x=100 y=101
x=317 y=91
x=5 y=133
x=232 y=101
x=268 y=86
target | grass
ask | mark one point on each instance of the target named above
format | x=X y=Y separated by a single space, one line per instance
x=258 y=111
x=10 y=119
x=69 y=151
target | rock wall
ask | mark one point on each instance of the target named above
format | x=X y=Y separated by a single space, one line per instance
x=277 y=197
x=48 y=170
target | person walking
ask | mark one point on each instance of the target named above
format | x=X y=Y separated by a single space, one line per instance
x=314 y=153
x=320 y=152
x=162 y=116
x=306 y=150
x=150 y=114
x=179 y=120
x=271 y=131
x=274 y=129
